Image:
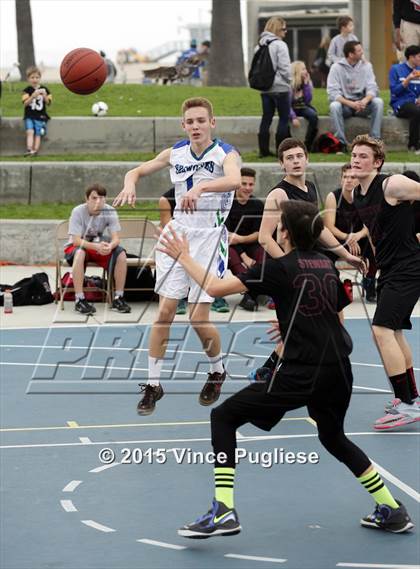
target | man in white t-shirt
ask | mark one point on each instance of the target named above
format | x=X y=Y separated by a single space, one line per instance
x=206 y=174
x=93 y=230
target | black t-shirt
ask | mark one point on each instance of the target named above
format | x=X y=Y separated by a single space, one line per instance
x=295 y=193
x=170 y=196
x=391 y=227
x=346 y=217
x=316 y=335
x=245 y=219
x=36 y=109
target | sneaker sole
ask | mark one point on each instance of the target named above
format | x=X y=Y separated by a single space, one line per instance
x=149 y=411
x=219 y=532
x=206 y=403
x=408 y=526
x=400 y=421
x=85 y=313
x=120 y=311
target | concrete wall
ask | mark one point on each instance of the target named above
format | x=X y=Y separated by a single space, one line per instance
x=65 y=182
x=103 y=134
x=32 y=242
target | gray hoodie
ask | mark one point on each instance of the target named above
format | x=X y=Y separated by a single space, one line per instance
x=351 y=81
x=279 y=53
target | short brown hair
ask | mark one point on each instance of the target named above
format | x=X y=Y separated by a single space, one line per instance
x=350 y=47
x=375 y=144
x=197 y=102
x=345 y=167
x=342 y=21
x=248 y=172
x=33 y=69
x=100 y=190
x=289 y=143
x=303 y=222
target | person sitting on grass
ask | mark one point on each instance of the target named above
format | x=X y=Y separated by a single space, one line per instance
x=87 y=227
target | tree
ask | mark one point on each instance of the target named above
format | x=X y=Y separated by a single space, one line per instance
x=226 y=64
x=26 y=52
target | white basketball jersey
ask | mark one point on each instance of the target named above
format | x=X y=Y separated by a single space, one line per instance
x=187 y=170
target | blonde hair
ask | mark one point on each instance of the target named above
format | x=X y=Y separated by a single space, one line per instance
x=296 y=72
x=376 y=144
x=275 y=25
x=197 y=102
x=33 y=69
x=325 y=42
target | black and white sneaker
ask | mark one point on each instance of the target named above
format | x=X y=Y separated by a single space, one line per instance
x=389 y=519
x=152 y=393
x=120 y=304
x=219 y=520
x=248 y=303
x=84 y=307
x=212 y=388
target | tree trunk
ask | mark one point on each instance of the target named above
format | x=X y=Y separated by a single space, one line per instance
x=26 y=53
x=226 y=64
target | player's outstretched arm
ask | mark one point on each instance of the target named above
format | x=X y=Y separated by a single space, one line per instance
x=128 y=193
x=401 y=188
x=270 y=220
x=177 y=247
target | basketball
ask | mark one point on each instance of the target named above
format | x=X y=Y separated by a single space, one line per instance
x=83 y=71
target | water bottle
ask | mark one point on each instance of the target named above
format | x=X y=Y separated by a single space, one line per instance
x=8 y=301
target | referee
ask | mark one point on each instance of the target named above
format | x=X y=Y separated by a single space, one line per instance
x=315 y=371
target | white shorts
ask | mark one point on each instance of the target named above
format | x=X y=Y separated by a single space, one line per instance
x=209 y=247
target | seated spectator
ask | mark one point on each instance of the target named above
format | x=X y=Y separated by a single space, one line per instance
x=345 y=27
x=166 y=211
x=243 y=224
x=342 y=219
x=404 y=84
x=301 y=97
x=352 y=91
x=87 y=227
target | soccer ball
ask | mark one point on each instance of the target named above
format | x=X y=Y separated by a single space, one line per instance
x=99 y=109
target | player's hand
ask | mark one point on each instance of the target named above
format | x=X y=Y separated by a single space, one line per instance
x=274 y=331
x=126 y=196
x=172 y=244
x=189 y=200
x=104 y=248
x=247 y=261
x=357 y=263
x=234 y=239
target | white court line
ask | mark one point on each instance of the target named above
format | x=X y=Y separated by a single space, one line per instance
x=372 y=389
x=399 y=483
x=105 y=467
x=161 y=544
x=377 y=566
x=71 y=486
x=255 y=558
x=68 y=506
x=97 y=526
x=85 y=440
x=194 y=440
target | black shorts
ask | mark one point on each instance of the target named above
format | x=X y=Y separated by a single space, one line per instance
x=398 y=290
x=324 y=390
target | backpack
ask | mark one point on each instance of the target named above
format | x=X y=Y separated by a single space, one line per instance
x=261 y=73
x=92 y=282
x=139 y=283
x=30 y=290
x=327 y=143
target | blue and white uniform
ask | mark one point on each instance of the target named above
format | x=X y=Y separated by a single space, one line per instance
x=204 y=228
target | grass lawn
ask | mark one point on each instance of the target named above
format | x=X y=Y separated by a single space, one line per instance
x=62 y=211
x=141 y=157
x=152 y=100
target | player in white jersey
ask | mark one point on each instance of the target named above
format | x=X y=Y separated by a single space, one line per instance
x=206 y=174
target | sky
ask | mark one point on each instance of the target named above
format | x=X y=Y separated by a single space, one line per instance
x=62 y=25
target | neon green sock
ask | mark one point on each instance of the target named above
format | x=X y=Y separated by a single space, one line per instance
x=223 y=480
x=374 y=484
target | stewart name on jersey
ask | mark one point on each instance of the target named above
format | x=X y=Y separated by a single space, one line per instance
x=187 y=170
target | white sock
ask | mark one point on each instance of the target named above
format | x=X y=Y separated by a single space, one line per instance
x=216 y=363
x=119 y=293
x=155 y=368
x=80 y=296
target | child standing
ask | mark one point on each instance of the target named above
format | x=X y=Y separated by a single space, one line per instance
x=345 y=26
x=35 y=99
x=301 y=97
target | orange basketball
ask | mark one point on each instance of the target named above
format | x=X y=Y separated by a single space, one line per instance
x=83 y=71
